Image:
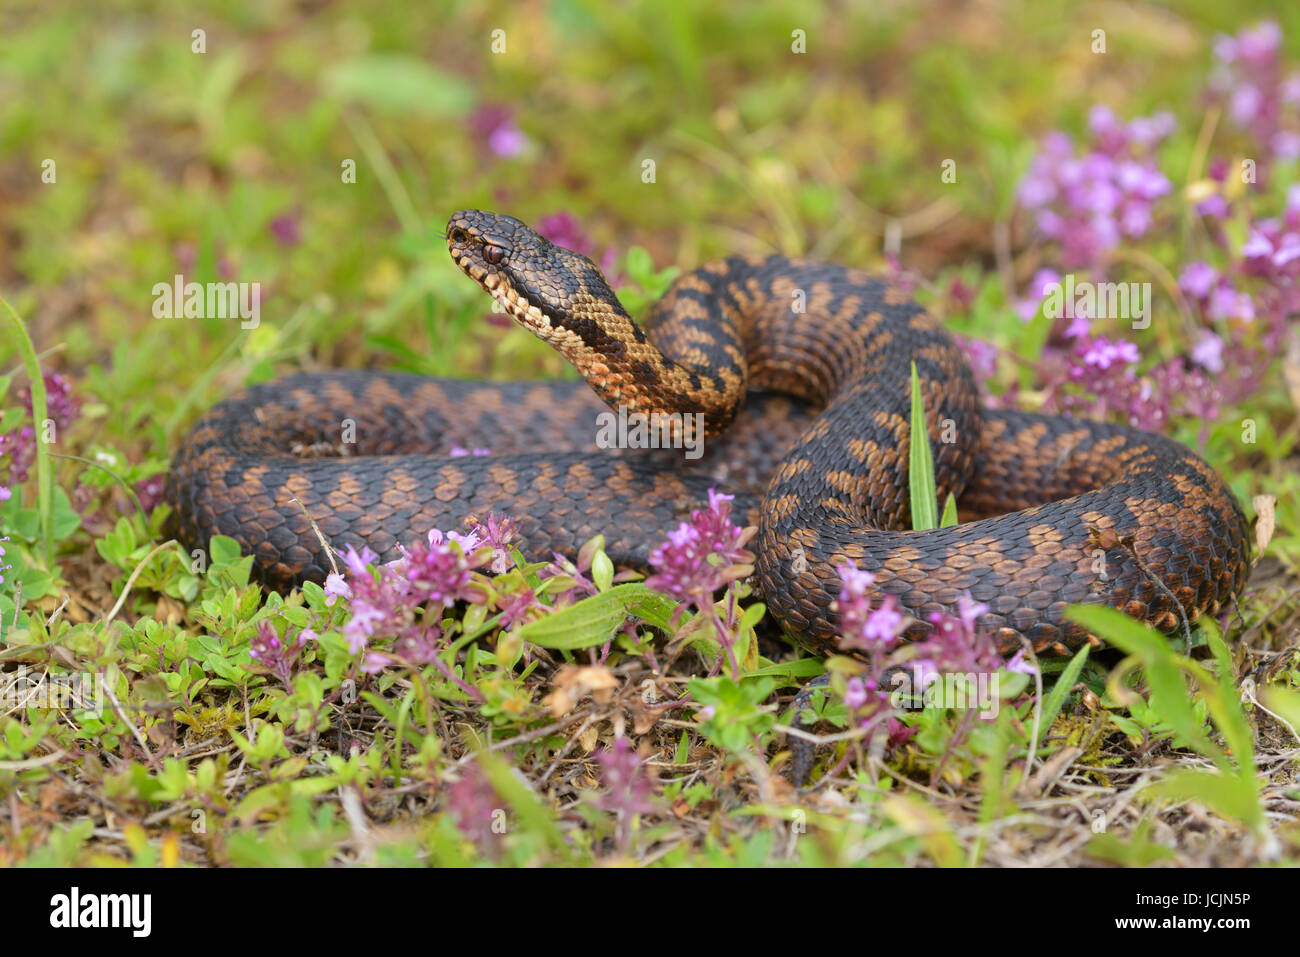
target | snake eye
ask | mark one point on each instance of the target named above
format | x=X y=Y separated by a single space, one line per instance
x=458 y=235
x=494 y=254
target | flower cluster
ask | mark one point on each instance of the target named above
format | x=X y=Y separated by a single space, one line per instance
x=18 y=447
x=1257 y=98
x=389 y=602
x=627 y=786
x=1089 y=203
x=872 y=628
x=702 y=555
x=957 y=645
x=405 y=600
x=865 y=626
x=278 y=657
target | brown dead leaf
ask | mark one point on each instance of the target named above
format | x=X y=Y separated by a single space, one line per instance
x=573 y=682
x=169 y=610
x=1264 y=522
x=642 y=718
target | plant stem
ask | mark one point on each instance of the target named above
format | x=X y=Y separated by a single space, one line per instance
x=44 y=475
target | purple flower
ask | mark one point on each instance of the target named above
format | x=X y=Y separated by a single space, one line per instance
x=285 y=230
x=702 y=555
x=476 y=808
x=518 y=607
x=855 y=693
x=404 y=599
x=1088 y=203
x=278 y=657
x=1198 y=279
x=498 y=533
x=562 y=566
x=1227 y=303
x=62 y=408
x=1039 y=288
x=335 y=588
x=1103 y=353
x=457 y=452
x=863 y=624
x=150 y=492
x=1018 y=665
x=956 y=643
x=437 y=573
x=563 y=229
x=494 y=130
x=1248 y=80
x=627 y=787
x=1208 y=352
x=884 y=623
x=983 y=357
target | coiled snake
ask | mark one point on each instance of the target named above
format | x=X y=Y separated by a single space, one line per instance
x=817 y=455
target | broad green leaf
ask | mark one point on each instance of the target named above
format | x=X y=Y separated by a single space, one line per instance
x=1231 y=795
x=223 y=549
x=1164 y=671
x=594 y=620
x=399 y=84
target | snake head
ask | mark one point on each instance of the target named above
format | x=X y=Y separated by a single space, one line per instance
x=544 y=287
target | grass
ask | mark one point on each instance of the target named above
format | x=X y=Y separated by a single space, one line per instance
x=236 y=162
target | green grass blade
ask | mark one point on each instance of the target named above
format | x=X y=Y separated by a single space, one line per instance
x=44 y=475
x=1056 y=697
x=920 y=466
x=949 y=518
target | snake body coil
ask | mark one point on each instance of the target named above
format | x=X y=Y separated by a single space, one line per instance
x=1058 y=507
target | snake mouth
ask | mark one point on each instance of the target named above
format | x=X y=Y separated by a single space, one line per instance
x=498 y=286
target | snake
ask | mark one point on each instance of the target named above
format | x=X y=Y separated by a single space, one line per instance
x=799 y=376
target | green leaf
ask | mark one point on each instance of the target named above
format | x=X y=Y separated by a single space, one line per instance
x=1056 y=697
x=1164 y=671
x=1229 y=794
x=594 y=620
x=402 y=85
x=223 y=550
x=534 y=816
x=920 y=465
x=36 y=382
x=602 y=571
x=1285 y=702
x=1224 y=703
x=949 y=518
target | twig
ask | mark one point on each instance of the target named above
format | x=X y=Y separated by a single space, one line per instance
x=329 y=552
x=126 y=590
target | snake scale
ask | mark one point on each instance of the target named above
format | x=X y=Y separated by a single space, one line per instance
x=801 y=371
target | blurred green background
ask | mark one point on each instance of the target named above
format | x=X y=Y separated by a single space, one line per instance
x=227 y=163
